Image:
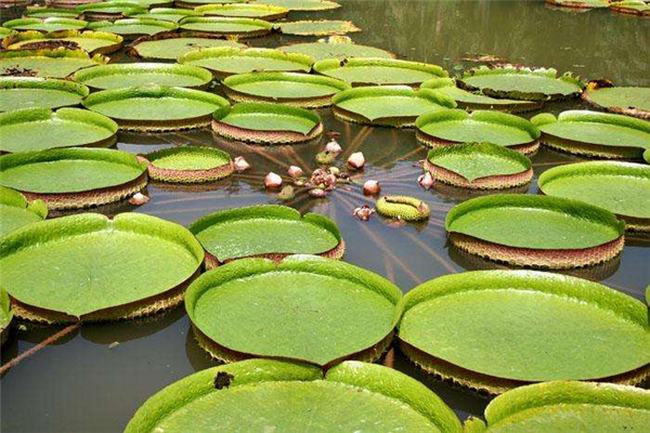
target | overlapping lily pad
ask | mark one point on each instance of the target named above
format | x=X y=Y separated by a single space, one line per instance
x=266 y=123
x=89 y=41
x=301 y=5
x=5 y=32
x=47 y=12
x=304 y=308
x=166 y=14
x=479 y=166
x=339 y=47
x=16 y=211
x=348 y=398
x=521 y=83
x=156 y=108
x=317 y=28
x=45 y=24
x=189 y=164
x=40 y=128
x=28 y=92
x=298 y=89
x=535 y=231
x=633 y=101
x=222 y=26
x=375 y=71
x=171 y=46
x=86 y=266
x=595 y=134
x=74 y=177
x=109 y=10
x=397 y=106
x=267 y=231
x=244 y=10
x=450 y=127
x=58 y=63
x=116 y=76
x=525 y=326
x=620 y=187
x=134 y=27
x=228 y=61
x=6 y=315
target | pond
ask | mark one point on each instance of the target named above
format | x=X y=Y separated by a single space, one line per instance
x=93 y=379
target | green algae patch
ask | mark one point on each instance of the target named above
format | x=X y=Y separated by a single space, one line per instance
x=171 y=46
x=52 y=24
x=524 y=326
x=141 y=74
x=225 y=26
x=403 y=208
x=16 y=211
x=90 y=41
x=134 y=27
x=57 y=63
x=268 y=231
x=189 y=164
x=535 y=231
x=348 y=398
x=339 y=47
x=304 y=308
x=86 y=267
x=166 y=14
x=378 y=71
x=26 y=92
x=595 y=134
x=317 y=28
x=244 y=10
x=620 y=187
x=629 y=100
x=301 y=5
x=397 y=106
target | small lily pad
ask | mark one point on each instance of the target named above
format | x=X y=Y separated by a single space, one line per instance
x=579 y=4
x=89 y=41
x=244 y=10
x=267 y=123
x=524 y=326
x=449 y=127
x=479 y=166
x=304 y=308
x=171 y=46
x=596 y=134
x=134 y=27
x=339 y=47
x=45 y=24
x=58 y=63
x=141 y=74
x=5 y=32
x=297 y=89
x=109 y=10
x=191 y=4
x=27 y=92
x=317 y=28
x=397 y=106
x=240 y=27
x=32 y=129
x=535 y=231
x=267 y=231
x=48 y=12
x=362 y=71
x=6 y=315
x=633 y=101
x=166 y=14
x=403 y=208
x=189 y=164
x=620 y=187
x=86 y=266
x=630 y=7
x=301 y=5
x=16 y=211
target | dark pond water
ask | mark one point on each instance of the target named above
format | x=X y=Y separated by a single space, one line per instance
x=87 y=383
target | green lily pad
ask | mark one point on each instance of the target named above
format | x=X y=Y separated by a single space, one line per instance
x=521 y=83
x=109 y=10
x=448 y=127
x=134 y=27
x=537 y=231
x=191 y=4
x=48 y=12
x=89 y=41
x=633 y=101
x=265 y=231
x=362 y=71
x=524 y=326
x=339 y=47
x=141 y=74
x=45 y=24
x=244 y=10
x=86 y=266
x=166 y=14
x=228 y=61
x=222 y=26
x=593 y=133
x=631 y=7
x=477 y=101
x=6 y=315
x=58 y=63
x=152 y=3
x=189 y=164
x=621 y=188
x=171 y=46
x=156 y=108
x=479 y=166
x=26 y=92
x=40 y=128
x=579 y=4
x=268 y=123
x=16 y=211
x=4 y=32
x=301 y=5
x=348 y=398
x=304 y=308
x=397 y=106
x=317 y=28
x=298 y=89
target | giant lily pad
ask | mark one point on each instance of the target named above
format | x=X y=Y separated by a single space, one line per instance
x=58 y=63
x=476 y=100
x=621 y=188
x=86 y=266
x=141 y=74
x=298 y=89
x=579 y=4
x=521 y=83
x=40 y=128
x=166 y=14
x=75 y=177
x=597 y=134
x=240 y=27
x=171 y=46
x=109 y=10
x=6 y=315
x=633 y=101
x=189 y=164
x=16 y=211
x=339 y=47
x=48 y=12
x=397 y=106
x=535 y=231
x=304 y=308
x=228 y=61
x=244 y=10
x=301 y=5
x=631 y=7
x=45 y=24
x=317 y=28
x=251 y=395
x=27 y=92
x=134 y=27
x=449 y=127
x=479 y=166
x=156 y=108
x=363 y=71
x=266 y=123
x=268 y=231
x=524 y=326
x=89 y=41
x=191 y=4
